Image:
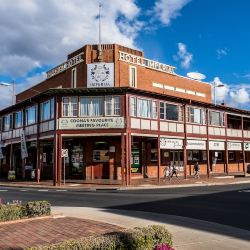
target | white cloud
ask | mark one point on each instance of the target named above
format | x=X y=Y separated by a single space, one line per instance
x=183 y=56
x=235 y=95
x=240 y=96
x=44 y=32
x=166 y=10
x=221 y=53
x=7 y=91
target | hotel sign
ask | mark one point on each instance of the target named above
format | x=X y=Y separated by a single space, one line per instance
x=91 y=123
x=216 y=145
x=169 y=143
x=100 y=75
x=66 y=65
x=235 y=146
x=196 y=144
x=141 y=61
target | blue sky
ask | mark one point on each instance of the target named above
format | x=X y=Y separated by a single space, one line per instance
x=207 y=36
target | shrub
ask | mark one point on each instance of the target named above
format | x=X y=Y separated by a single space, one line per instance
x=38 y=208
x=11 y=212
x=17 y=211
x=146 y=238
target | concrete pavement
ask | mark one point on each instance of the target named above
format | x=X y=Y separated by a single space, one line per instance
x=146 y=184
x=205 y=236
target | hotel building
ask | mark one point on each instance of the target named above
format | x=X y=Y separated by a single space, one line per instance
x=120 y=118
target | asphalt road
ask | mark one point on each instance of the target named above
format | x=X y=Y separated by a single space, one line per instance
x=229 y=204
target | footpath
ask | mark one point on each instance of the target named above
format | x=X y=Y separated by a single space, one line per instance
x=137 y=184
x=188 y=234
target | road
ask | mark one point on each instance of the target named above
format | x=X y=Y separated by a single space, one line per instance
x=228 y=204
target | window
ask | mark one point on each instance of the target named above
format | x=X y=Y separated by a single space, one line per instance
x=143 y=108
x=91 y=106
x=18 y=119
x=47 y=110
x=196 y=155
x=154 y=110
x=73 y=78
x=70 y=106
x=112 y=105
x=196 y=115
x=30 y=115
x=132 y=106
x=231 y=156
x=162 y=110
x=133 y=76
x=216 y=118
x=172 y=112
x=7 y=120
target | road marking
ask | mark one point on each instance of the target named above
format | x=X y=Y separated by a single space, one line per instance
x=61 y=190
x=3 y=190
x=244 y=191
x=23 y=190
x=42 y=190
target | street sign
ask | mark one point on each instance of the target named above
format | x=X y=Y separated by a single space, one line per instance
x=65 y=153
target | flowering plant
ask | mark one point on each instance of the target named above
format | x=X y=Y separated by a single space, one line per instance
x=163 y=246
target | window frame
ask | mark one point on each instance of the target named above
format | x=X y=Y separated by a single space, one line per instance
x=131 y=70
x=15 y=113
x=112 y=105
x=26 y=115
x=70 y=106
x=91 y=97
x=180 y=117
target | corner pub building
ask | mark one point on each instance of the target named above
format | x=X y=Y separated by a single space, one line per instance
x=123 y=118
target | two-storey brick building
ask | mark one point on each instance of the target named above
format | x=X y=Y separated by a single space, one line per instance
x=122 y=117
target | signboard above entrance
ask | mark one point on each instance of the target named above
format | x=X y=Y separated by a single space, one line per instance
x=247 y=146
x=216 y=145
x=170 y=143
x=235 y=146
x=91 y=123
x=196 y=144
x=100 y=75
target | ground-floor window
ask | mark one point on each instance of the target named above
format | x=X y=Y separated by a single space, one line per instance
x=196 y=155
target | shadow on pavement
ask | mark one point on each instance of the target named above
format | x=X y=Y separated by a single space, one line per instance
x=206 y=209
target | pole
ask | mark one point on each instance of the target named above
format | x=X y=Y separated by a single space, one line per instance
x=64 y=171
x=99 y=57
x=13 y=92
x=214 y=94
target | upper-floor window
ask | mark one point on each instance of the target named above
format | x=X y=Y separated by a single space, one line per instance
x=47 y=110
x=7 y=121
x=133 y=106
x=18 y=119
x=73 y=78
x=112 y=105
x=30 y=115
x=216 y=118
x=154 y=110
x=143 y=108
x=196 y=115
x=133 y=76
x=170 y=112
x=70 y=106
x=91 y=106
